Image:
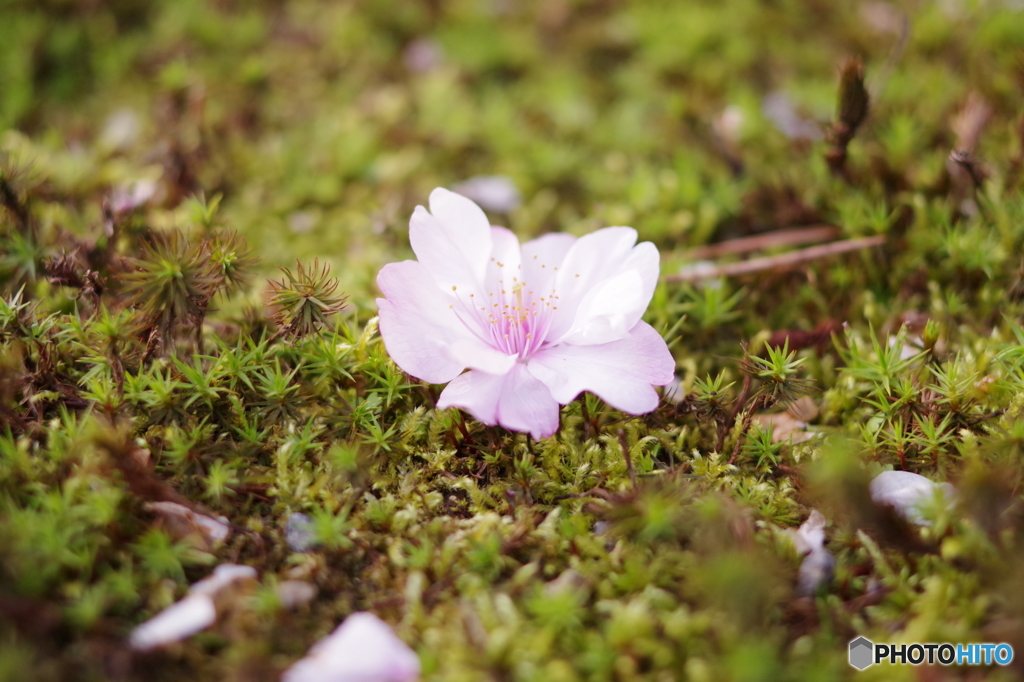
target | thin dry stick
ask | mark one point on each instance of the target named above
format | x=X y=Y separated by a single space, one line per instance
x=780 y=262
x=794 y=237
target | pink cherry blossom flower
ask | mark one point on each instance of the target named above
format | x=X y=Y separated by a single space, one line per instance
x=535 y=325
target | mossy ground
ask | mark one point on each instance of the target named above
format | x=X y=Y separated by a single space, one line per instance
x=140 y=361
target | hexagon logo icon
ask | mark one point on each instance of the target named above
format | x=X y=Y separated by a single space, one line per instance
x=861 y=653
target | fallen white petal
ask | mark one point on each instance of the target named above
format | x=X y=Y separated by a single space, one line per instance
x=908 y=493
x=121 y=129
x=817 y=568
x=811 y=534
x=361 y=649
x=673 y=391
x=492 y=192
x=178 y=621
x=127 y=197
x=193 y=613
x=181 y=522
x=818 y=564
x=778 y=109
x=223 y=575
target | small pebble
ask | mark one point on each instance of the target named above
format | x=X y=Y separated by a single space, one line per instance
x=908 y=493
x=295 y=593
x=299 y=533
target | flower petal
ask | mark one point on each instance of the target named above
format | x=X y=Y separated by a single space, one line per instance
x=503 y=266
x=475 y=392
x=590 y=260
x=453 y=240
x=542 y=257
x=609 y=310
x=178 y=621
x=644 y=260
x=418 y=325
x=526 y=404
x=621 y=373
x=474 y=354
x=463 y=220
x=517 y=400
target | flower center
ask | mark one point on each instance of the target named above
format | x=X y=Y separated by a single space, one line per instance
x=513 y=317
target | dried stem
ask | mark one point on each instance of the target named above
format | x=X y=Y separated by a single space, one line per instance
x=782 y=261
x=794 y=237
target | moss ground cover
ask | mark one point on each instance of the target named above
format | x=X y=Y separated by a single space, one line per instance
x=196 y=197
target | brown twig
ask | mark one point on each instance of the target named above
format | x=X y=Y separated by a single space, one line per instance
x=782 y=261
x=794 y=237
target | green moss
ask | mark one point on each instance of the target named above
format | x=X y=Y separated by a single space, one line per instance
x=140 y=359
